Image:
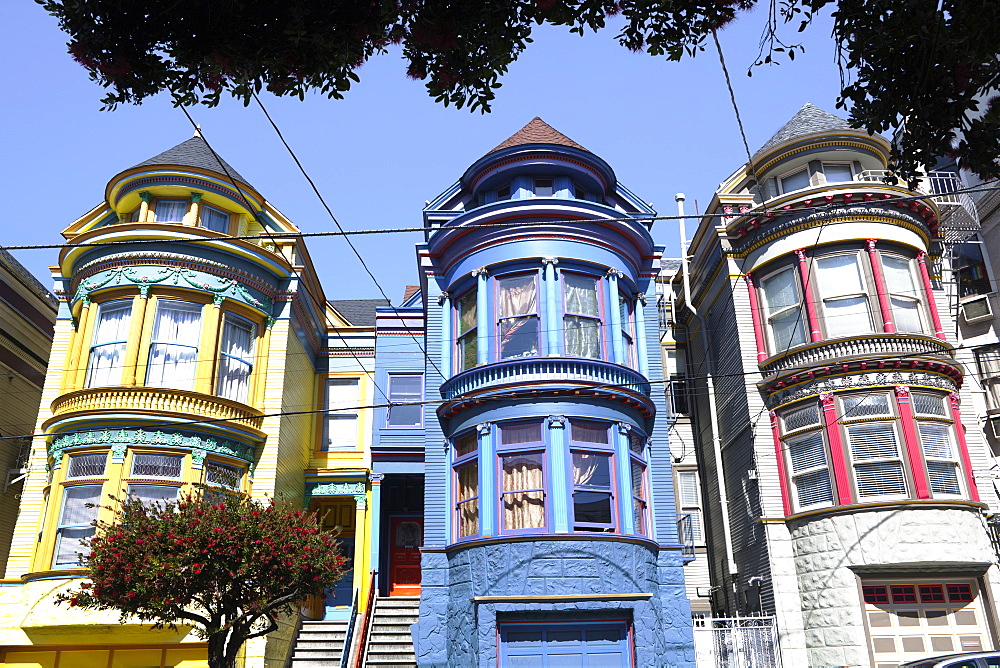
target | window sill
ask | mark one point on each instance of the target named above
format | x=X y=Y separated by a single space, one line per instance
x=476 y=541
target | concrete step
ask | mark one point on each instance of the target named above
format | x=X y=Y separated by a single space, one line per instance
x=310 y=652
x=397 y=637
x=405 y=659
x=390 y=647
x=315 y=663
x=320 y=637
x=378 y=629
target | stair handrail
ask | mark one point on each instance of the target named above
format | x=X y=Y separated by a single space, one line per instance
x=366 y=621
x=345 y=653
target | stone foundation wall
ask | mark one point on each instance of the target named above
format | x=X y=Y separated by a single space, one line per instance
x=540 y=568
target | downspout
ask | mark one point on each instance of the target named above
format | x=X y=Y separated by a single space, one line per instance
x=710 y=386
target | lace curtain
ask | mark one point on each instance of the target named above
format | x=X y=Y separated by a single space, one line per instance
x=523 y=497
x=173 y=354
x=108 y=352
x=516 y=309
x=237 y=359
x=582 y=329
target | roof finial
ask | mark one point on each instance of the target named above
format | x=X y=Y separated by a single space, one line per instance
x=197 y=130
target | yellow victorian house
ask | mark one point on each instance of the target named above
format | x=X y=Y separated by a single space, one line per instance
x=193 y=345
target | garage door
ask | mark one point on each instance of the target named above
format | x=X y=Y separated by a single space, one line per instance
x=565 y=645
x=912 y=619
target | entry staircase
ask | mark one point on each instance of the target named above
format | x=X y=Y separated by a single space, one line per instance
x=389 y=643
x=319 y=645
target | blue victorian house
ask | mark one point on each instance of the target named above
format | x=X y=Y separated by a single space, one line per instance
x=549 y=527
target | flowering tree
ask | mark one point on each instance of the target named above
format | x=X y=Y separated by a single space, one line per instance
x=932 y=63
x=227 y=568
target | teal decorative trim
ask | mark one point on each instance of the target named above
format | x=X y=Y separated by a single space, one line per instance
x=196 y=197
x=118 y=451
x=270 y=321
x=146 y=196
x=355 y=489
x=119 y=439
x=198 y=458
x=174 y=275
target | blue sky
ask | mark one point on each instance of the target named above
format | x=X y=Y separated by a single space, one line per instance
x=377 y=155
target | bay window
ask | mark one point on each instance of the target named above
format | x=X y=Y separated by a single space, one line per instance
x=877 y=461
x=593 y=490
x=153 y=465
x=173 y=351
x=936 y=432
x=582 y=319
x=843 y=295
x=467 y=339
x=107 y=352
x=223 y=475
x=517 y=316
x=76 y=523
x=904 y=296
x=783 y=310
x=640 y=492
x=214 y=219
x=235 y=358
x=807 y=455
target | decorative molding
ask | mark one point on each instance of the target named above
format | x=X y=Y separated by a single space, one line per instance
x=617 y=273
x=870 y=244
x=641 y=298
x=801 y=254
x=444 y=296
x=376 y=478
x=624 y=428
x=146 y=196
x=118 y=451
x=902 y=392
x=854 y=381
x=482 y=271
x=119 y=439
x=336 y=489
x=198 y=458
x=484 y=428
x=556 y=421
x=196 y=197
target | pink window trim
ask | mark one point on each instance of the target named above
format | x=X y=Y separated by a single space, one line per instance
x=929 y=295
x=807 y=294
x=779 y=451
x=883 y=297
x=911 y=439
x=963 y=449
x=837 y=461
x=758 y=327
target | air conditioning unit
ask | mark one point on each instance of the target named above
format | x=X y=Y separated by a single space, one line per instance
x=976 y=309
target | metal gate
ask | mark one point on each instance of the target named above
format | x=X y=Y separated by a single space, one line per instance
x=736 y=642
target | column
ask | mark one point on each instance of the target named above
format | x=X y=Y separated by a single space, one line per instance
x=624 y=478
x=208 y=345
x=559 y=480
x=616 y=316
x=134 y=334
x=482 y=319
x=783 y=470
x=640 y=333
x=925 y=280
x=838 y=464
x=883 y=296
x=911 y=440
x=77 y=357
x=963 y=449
x=192 y=215
x=86 y=333
x=758 y=326
x=146 y=197
x=807 y=295
x=360 y=575
x=375 y=537
x=487 y=480
x=552 y=327
x=447 y=344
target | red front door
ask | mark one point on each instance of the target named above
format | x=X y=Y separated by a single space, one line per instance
x=406 y=535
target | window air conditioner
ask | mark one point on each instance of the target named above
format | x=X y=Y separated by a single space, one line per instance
x=977 y=309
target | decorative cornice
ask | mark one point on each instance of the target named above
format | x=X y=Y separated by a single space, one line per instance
x=120 y=439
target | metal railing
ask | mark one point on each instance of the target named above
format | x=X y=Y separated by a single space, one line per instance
x=345 y=653
x=736 y=642
x=944 y=188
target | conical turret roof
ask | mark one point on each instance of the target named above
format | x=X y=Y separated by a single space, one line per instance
x=808 y=119
x=537 y=131
x=194 y=152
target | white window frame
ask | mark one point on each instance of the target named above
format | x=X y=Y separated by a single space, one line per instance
x=916 y=298
x=344 y=408
x=111 y=375
x=689 y=502
x=242 y=390
x=888 y=420
x=205 y=208
x=418 y=396
x=780 y=180
x=824 y=301
x=766 y=317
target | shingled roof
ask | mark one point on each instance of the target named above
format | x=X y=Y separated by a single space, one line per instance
x=537 y=131
x=358 y=312
x=809 y=118
x=194 y=152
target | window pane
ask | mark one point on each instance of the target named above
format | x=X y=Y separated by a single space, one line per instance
x=407 y=388
x=837 y=173
x=928 y=404
x=236 y=361
x=468 y=351
x=518 y=337
x=807 y=452
x=580 y=294
x=880 y=479
x=688 y=488
x=149 y=465
x=70 y=545
x=516 y=295
x=876 y=440
x=171 y=210
x=467 y=313
x=583 y=338
x=592 y=507
x=806 y=416
x=780 y=291
x=81 y=466
x=468 y=501
x=588 y=432
x=788 y=330
x=799 y=179
x=936 y=439
x=523 y=509
x=839 y=275
x=592 y=469
x=543 y=188
x=898 y=277
x=223 y=475
x=108 y=351
x=845 y=316
x=75 y=501
x=906 y=315
x=341 y=432
x=943 y=477
x=151 y=494
x=173 y=355
x=520 y=432
x=214 y=219
x=813 y=488
x=465 y=444
x=865 y=405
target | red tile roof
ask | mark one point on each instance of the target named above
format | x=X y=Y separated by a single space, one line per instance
x=537 y=131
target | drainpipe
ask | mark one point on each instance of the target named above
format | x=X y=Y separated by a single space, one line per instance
x=712 y=410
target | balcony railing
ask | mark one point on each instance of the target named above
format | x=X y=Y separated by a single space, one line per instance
x=862 y=345
x=547 y=370
x=156 y=400
x=959 y=212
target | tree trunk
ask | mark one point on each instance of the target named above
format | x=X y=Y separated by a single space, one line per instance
x=217 y=645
